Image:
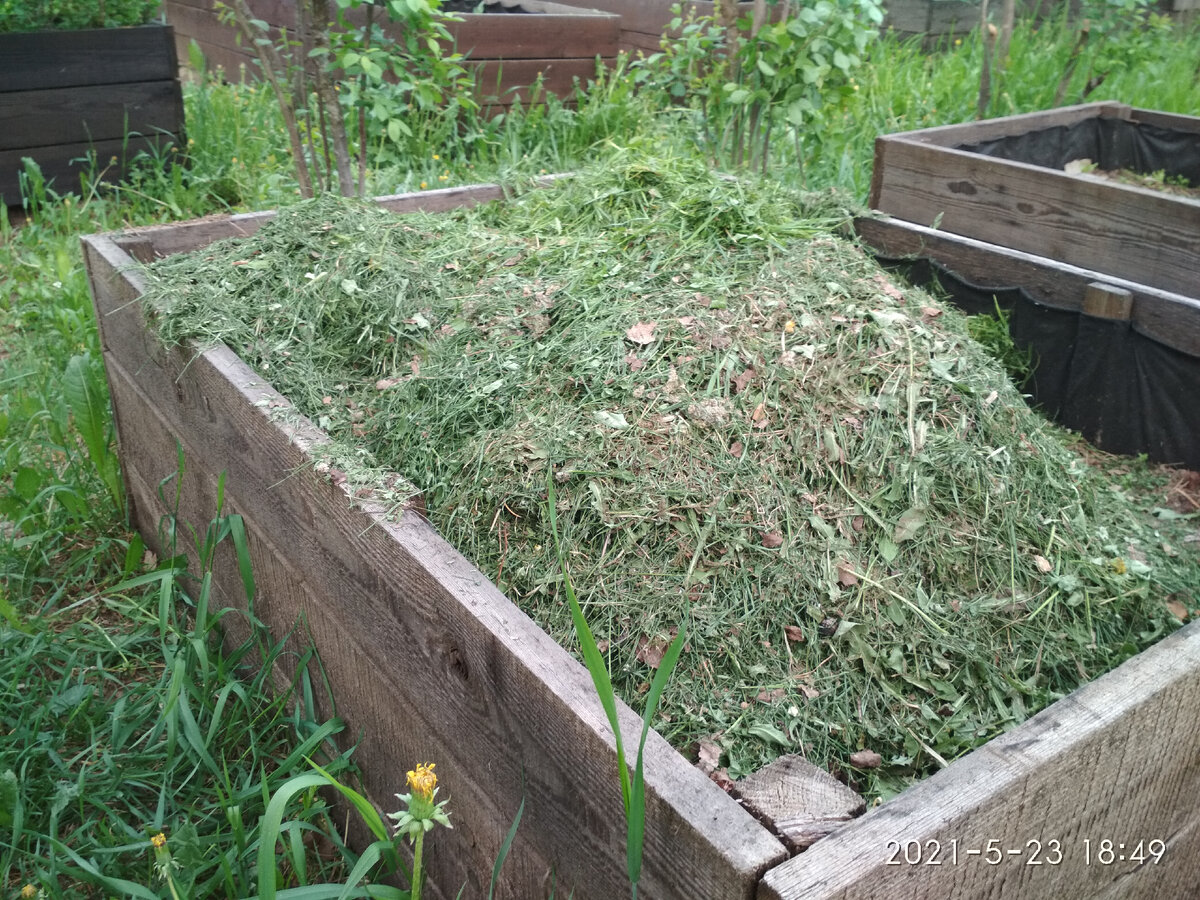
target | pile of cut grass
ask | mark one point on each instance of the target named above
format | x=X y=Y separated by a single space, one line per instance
x=874 y=542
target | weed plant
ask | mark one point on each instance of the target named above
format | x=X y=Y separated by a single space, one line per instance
x=123 y=716
x=53 y=15
x=872 y=541
x=128 y=727
x=904 y=86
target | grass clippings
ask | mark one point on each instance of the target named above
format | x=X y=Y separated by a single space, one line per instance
x=874 y=543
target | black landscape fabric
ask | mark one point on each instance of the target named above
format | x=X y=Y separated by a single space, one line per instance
x=1124 y=391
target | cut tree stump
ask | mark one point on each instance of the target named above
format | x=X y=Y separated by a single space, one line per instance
x=800 y=802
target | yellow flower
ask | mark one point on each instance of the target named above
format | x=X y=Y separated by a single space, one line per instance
x=1118 y=566
x=420 y=813
x=423 y=185
x=159 y=841
x=29 y=891
x=789 y=326
x=435 y=156
x=422 y=781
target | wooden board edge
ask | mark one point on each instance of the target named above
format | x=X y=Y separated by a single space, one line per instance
x=1006 y=791
x=183 y=237
x=1006 y=126
x=1171 y=121
x=1168 y=318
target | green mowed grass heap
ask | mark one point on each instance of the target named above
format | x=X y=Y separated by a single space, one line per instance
x=753 y=430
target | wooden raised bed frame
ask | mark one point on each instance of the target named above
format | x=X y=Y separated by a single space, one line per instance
x=506 y=51
x=935 y=179
x=63 y=93
x=429 y=661
x=971 y=199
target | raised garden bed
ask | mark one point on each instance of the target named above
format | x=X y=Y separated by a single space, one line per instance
x=1099 y=275
x=429 y=660
x=507 y=51
x=113 y=92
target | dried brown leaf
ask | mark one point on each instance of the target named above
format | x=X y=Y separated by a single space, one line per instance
x=641 y=333
x=772 y=540
x=794 y=633
x=1043 y=565
x=651 y=650
x=722 y=779
x=708 y=755
x=888 y=288
x=866 y=759
x=741 y=381
x=845 y=574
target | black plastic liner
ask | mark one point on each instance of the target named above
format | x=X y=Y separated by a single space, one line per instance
x=1110 y=143
x=1125 y=392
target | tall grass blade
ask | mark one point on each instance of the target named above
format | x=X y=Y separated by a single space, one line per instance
x=634 y=795
x=82 y=390
x=637 y=815
x=270 y=829
x=506 y=845
x=592 y=656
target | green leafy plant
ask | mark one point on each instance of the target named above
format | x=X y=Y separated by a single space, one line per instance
x=325 y=66
x=54 y=15
x=994 y=333
x=764 y=75
x=389 y=84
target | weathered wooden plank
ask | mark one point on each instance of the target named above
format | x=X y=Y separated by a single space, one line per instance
x=433 y=660
x=643 y=22
x=1085 y=769
x=1169 y=121
x=66 y=163
x=182 y=237
x=990 y=129
x=1132 y=232
x=552 y=36
x=360 y=668
x=193 y=23
x=503 y=82
x=481 y=36
x=933 y=17
x=1168 y=318
x=79 y=115
x=49 y=59
x=500 y=83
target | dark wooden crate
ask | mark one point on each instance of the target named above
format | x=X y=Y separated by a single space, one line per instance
x=113 y=91
x=506 y=51
x=429 y=661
